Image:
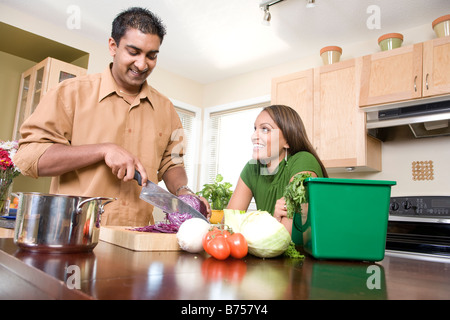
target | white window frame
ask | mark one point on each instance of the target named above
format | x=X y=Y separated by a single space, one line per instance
x=196 y=139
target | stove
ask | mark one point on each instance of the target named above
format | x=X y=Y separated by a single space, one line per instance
x=420 y=225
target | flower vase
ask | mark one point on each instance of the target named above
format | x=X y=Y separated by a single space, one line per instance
x=8 y=171
x=5 y=196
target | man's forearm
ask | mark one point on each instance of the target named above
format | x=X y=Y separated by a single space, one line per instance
x=60 y=159
x=174 y=178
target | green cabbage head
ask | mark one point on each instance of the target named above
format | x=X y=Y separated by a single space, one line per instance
x=266 y=237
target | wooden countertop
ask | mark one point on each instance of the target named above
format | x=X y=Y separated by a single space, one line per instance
x=112 y=272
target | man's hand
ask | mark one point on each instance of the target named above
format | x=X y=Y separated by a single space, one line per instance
x=122 y=163
x=176 y=177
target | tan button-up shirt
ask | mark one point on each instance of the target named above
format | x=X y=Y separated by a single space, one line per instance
x=90 y=110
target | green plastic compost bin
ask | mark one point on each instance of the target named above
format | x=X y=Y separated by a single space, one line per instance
x=346 y=219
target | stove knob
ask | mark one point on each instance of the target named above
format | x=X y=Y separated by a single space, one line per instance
x=394 y=206
x=407 y=205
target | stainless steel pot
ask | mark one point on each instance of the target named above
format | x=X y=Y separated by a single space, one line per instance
x=58 y=223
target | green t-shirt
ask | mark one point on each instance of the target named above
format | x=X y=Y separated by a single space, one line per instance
x=268 y=188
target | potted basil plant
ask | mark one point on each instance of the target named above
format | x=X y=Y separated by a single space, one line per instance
x=218 y=195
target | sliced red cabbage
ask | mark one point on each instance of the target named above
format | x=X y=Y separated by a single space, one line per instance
x=174 y=220
x=194 y=202
x=170 y=225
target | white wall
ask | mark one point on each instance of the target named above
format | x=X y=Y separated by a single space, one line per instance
x=398 y=156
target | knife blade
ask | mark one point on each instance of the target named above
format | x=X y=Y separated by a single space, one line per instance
x=164 y=200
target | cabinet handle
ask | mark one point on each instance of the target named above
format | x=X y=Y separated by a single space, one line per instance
x=415 y=84
x=426 y=81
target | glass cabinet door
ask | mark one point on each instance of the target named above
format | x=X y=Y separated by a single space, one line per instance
x=37 y=89
x=23 y=98
x=65 y=75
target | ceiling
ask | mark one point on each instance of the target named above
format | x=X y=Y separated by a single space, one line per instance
x=210 y=40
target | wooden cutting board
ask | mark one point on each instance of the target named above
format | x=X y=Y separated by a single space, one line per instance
x=139 y=241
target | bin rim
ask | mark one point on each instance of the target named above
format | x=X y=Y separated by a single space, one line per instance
x=350 y=181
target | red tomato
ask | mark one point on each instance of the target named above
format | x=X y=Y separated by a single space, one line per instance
x=209 y=236
x=218 y=247
x=225 y=233
x=238 y=245
x=213 y=233
x=206 y=238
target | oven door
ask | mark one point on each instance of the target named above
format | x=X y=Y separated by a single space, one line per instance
x=428 y=235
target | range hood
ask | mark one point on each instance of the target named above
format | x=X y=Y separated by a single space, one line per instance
x=427 y=117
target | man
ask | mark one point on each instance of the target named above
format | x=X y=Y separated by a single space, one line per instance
x=91 y=133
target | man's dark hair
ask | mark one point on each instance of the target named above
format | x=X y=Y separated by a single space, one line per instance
x=137 y=18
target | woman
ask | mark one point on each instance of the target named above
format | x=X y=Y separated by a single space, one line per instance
x=281 y=150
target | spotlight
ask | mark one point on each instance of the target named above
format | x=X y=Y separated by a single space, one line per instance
x=265 y=4
x=266 y=17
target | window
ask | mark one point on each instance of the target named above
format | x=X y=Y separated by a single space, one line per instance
x=229 y=147
x=189 y=120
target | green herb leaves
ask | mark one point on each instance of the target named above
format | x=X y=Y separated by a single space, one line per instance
x=295 y=194
x=218 y=194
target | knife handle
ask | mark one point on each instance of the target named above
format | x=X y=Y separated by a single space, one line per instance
x=137 y=177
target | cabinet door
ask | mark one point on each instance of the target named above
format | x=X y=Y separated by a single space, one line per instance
x=392 y=75
x=436 y=67
x=33 y=81
x=60 y=71
x=22 y=101
x=39 y=84
x=339 y=124
x=296 y=91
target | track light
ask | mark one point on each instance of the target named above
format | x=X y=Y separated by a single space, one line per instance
x=266 y=17
x=310 y=3
x=265 y=4
x=268 y=3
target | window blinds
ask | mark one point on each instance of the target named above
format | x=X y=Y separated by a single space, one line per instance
x=230 y=144
x=187 y=120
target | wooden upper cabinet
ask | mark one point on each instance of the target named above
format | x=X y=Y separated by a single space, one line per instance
x=339 y=125
x=35 y=82
x=406 y=73
x=436 y=67
x=327 y=100
x=392 y=75
x=296 y=91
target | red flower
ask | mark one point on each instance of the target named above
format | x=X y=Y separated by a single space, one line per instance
x=5 y=160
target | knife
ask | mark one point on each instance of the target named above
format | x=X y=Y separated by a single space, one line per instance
x=167 y=202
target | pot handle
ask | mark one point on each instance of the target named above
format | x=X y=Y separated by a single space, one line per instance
x=108 y=200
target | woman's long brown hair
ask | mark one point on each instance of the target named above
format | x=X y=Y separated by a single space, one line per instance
x=293 y=129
